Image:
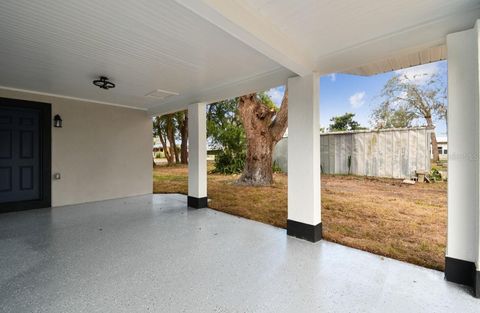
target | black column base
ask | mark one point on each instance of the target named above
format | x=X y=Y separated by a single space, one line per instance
x=304 y=231
x=477 y=285
x=197 y=203
x=463 y=272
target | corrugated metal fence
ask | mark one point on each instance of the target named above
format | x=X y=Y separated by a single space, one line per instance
x=396 y=153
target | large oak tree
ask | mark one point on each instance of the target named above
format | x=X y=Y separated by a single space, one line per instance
x=264 y=126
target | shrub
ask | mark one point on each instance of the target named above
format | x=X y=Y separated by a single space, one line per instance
x=276 y=168
x=227 y=162
x=435 y=174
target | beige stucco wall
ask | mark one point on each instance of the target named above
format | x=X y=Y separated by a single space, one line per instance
x=102 y=151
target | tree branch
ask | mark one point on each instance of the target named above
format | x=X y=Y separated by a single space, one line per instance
x=280 y=123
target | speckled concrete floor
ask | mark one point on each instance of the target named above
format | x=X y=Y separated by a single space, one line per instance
x=152 y=254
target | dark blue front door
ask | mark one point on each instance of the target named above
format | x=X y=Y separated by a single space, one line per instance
x=21 y=154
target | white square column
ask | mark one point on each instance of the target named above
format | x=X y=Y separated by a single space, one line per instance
x=197 y=155
x=304 y=218
x=462 y=262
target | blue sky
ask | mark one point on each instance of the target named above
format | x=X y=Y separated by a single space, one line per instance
x=341 y=93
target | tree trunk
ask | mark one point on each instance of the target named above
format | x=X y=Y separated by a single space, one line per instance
x=184 y=138
x=433 y=137
x=171 y=139
x=258 y=164
x=175 y=152
x=166 y=152
x=262 y=134
x=436 y=156
x=256 y=118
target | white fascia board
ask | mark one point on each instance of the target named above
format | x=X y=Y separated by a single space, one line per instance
x=253 y=30
x=257 y=83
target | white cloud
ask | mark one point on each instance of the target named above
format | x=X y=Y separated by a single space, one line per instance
x=333 y=77
x=276 y=94
x=357 y=99
x=418 y=74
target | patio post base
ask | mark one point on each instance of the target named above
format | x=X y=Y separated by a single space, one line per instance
x=304 y=231
x=463 y=272
x=197 y=203
x=477 y=285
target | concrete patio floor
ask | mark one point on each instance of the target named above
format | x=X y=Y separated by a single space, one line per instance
x=152 y=254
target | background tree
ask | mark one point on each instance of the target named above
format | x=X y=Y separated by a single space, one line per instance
x=264 y=126
x=168 y=128
x=181 y=123
x=386 y=117
x=164 y=127
x=226 y=134
x=160 y=130
x=344 y=122
x=407 y=98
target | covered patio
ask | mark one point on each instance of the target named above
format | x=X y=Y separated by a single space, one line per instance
x=153 y=254
x=133 y=251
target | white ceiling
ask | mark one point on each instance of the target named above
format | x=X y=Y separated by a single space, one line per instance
x=327 y=27
x=336 y=33
x=205 y=50
x=59 y=47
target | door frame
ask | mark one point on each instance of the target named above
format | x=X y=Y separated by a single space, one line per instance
x=45 y=133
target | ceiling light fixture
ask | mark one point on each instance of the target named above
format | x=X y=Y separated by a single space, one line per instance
x=103 y=83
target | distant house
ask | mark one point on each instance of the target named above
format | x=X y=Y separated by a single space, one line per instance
x=442 y=147
x=157 y=145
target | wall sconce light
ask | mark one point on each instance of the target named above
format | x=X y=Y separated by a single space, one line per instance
x=57 y=121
